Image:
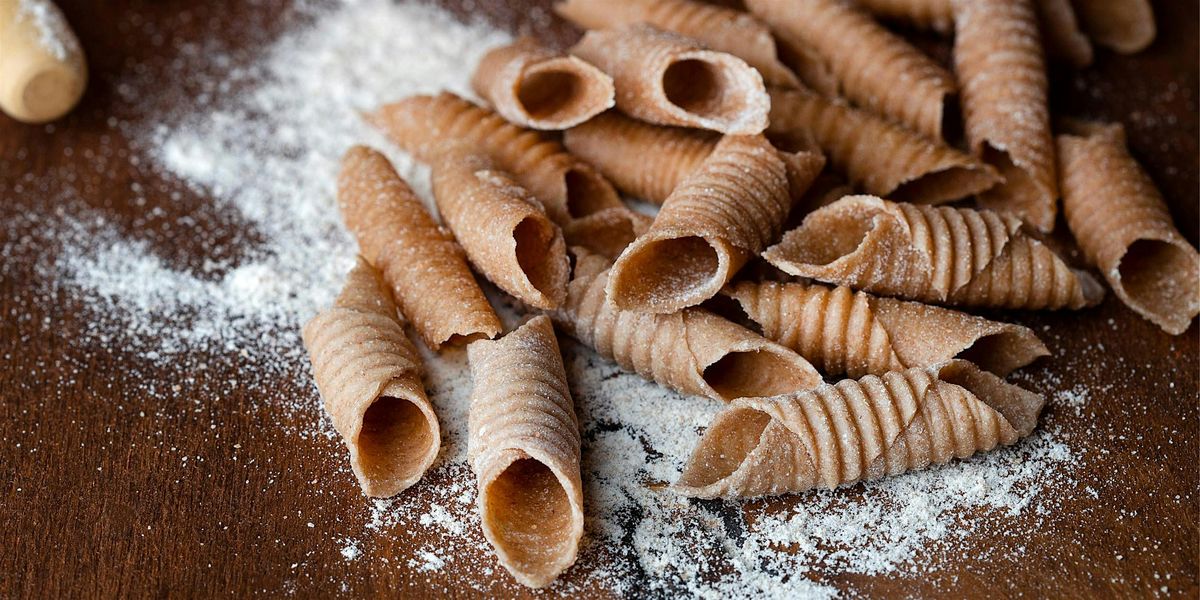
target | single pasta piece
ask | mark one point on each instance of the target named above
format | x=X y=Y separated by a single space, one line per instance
x=938 y=254
x=536 y=88
x=814 y=72
x=567 y=187
x=524 y=448
x=665 y=78
x=1123 y=227
x=607 y=232
x=369 y=376
x=875 y=68
x=937 y=15
x=1126 y=26
x=1061 y=34
x=419 y=259
x=853 y=431
x=720 y=216
x=843 y=331
x=691 y=351
x=722 y=29
x=998 y=57
x=504 y=231
x=878 y=156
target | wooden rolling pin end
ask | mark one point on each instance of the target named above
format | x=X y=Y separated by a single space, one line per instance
x=43 y=72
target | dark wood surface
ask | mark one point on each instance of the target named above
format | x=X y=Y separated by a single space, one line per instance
x=95 y=502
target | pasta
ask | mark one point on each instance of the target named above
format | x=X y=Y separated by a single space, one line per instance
x=842 y=331
x=931 y=254
x=524 y=449
x=998 y=57
x=504 y=231
x=1124 y=228
x=536 y=88
x=691 y=351
x=419 y=260
x=565 y=185
x=664 y=78
x=607 y=232
x=719 y=217
x=1061 y=34
x=937 y=15
x=875 y=68
x=369 y=376
x=857 y=430
x=881 y=158
x=719 y=28
x=1126 y=26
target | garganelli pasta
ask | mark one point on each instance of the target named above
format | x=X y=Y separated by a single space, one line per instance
x=875 y=68
x=536 y=88
x=567 y=187
x=1061 y=34
x=504 y=231
x=937 y=15
x=722 y=29
x=934 y=254
x=1126 y=26
x=607 y=232
x=524 y=449
x=419 y=259
x=1124 y=228
x=843 y=331
x=665 y=78
x=877 y=155
x=369 y=376
x=999 y=61
x=691 y=351
x=720 y=216
x=853 y=431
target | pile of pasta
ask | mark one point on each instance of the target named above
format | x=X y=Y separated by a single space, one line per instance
x=817 y=220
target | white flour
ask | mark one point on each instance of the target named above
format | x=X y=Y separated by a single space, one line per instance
x=54 y=35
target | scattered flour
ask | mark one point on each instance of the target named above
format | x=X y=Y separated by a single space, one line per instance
x=54 y=34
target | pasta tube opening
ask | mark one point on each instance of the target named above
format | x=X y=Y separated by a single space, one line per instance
x=536 y=239
x=756 y=373
x=668 y=274
x=530 y=516
x=830 y=236
x=1160 y=273
x=1019 y=407
x=397 y=442
x=698 y=86
x=726 y=445
x=549 y=92
x=587 y=192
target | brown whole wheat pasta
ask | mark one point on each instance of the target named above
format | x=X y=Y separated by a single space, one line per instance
x=722 y=29
x=567 y=187
x=524 y=449
x=504 y=231
x=853 y=431
x=536 y=88
x=369 y=376
x=691 y=351
x=419 y=259
x=937 y=15
x=1126 y=26
x=607 y=232
x=999 y=61
x=877 y=155
x=939 y=254
x=843 y=331
x=665 y=78
x=875 y=68
x=1123 y=227
x=1061 y=34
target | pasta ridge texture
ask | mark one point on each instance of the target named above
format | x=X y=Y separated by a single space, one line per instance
x=524 y=448
x=839 y=434
x=937 y=15
x=934 y=254
x=691 y=351
x=1123 y=227
x=369 y=377
x=419 y=259
x=843 y=331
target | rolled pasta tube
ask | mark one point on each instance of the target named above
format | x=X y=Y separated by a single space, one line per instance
x=1061 y=33
x=369 y=376
x=877 y=155
x=504 y=231
x=607 y=232
x=939 y=254
x=720 y=28
x=875 y=68
x=841 y=331
x=936 y=15
x=536 y=88
x=664 y=78
x=720 y=216
x=420 y=261
x=567 y=187
x=839 y=434
x=1124 y=228
x=524 y=449
x=1126 y=26
x=43 y=71
x=998 y=58
x=691 y=351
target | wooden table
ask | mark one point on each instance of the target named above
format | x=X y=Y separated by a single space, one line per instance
x=94 y=501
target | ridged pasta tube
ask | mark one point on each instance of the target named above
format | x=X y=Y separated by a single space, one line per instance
x=937 y=15
x=369 y=376
x=524 y=449
x=853 y=431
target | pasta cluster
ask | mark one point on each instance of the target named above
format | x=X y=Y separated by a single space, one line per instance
x=817 y=217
